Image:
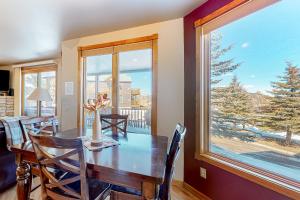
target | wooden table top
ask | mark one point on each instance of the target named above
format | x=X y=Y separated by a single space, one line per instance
x=138 y=155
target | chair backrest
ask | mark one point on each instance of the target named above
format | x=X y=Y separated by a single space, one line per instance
x=13 y=131
x=54 y=122
x=63 y=160
x=173 y=153
x=38 y=124
x=117 y=121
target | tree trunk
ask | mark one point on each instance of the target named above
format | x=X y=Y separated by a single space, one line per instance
x=234 y=123
x=288 y=139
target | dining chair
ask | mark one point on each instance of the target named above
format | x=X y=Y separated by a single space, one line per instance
x=114 y=122
x=67 y=156
x=54 y=125
x=37 y=125
x=122 y=193
x=13 y=130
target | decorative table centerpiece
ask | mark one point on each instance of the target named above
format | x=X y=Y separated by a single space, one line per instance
x=94 y=106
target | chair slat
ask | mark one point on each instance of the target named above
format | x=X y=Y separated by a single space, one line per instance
x=116 y=121
x=174 y=150
x=37 y=125
x=54 y=195
x=53 y=186
x=61 y=157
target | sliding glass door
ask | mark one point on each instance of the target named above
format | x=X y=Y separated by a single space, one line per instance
x=125 y=74
x=98 y=79
x=30 y=81
x=135 y=89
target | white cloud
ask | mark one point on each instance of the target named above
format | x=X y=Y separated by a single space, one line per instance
x=245 y=45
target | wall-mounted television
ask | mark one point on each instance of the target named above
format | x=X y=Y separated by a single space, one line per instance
x=4 y=80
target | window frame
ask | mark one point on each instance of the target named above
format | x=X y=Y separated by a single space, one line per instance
x=263 y=177
x=114 y=48
x=37 y=70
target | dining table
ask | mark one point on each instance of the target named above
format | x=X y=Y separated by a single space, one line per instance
x=137 y=162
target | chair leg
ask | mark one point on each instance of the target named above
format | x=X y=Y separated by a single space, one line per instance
x=24 y=177
x=112 y=195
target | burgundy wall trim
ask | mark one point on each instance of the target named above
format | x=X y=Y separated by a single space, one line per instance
x=220 y=184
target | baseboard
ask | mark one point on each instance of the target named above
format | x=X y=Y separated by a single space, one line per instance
x=191 y=189
x=177 y=183
x=195 y=192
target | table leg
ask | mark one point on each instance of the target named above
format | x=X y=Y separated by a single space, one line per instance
x=24 y=179
x=149 y=191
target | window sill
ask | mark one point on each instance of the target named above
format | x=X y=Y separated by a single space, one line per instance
x=265 y=181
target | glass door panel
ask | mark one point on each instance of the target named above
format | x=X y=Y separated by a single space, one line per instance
x=98 y=79
x=30 y=84
x=135 y=89
x=48 y=81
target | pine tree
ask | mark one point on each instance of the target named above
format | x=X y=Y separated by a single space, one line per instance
x=220 y=65
x=235 y=103
x=284 y=112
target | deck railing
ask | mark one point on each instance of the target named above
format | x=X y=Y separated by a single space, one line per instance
x=46 y=111
x=137 y=117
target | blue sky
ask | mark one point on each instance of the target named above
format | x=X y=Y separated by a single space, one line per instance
x=140 y=59
x=128 y=61
x=263 y=42
x=141 y=80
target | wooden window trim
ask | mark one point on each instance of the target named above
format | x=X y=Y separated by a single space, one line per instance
x=27 y=70
x=262 y=177
x=154 y=86
x=38 y=69
x=119 y=46
x=258 y=176
x=120 y=42
x=219 y=12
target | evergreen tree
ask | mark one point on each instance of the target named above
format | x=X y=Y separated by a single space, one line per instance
x=235 y=103
x=220 y=65
x=284 y=111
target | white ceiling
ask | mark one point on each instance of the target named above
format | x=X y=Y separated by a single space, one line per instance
x=33 y=29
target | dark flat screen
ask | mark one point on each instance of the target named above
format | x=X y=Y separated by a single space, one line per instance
x=4 y=80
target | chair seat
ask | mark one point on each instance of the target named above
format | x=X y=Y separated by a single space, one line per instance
x=126 y=190
x=96 y=188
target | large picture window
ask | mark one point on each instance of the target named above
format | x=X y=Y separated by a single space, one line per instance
x=249 y=88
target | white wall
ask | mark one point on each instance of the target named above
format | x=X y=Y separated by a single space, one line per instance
x=170 y=102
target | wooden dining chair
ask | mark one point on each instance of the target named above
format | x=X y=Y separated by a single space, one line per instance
x=37 y=125
x=66 y=156
x=114 y=122
x=122 y=193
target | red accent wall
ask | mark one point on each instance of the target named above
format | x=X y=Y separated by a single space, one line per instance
x=220 y=184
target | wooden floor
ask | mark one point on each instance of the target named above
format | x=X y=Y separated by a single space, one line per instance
x=178 y=193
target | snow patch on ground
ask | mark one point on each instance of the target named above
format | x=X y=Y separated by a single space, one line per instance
x=277 y=135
